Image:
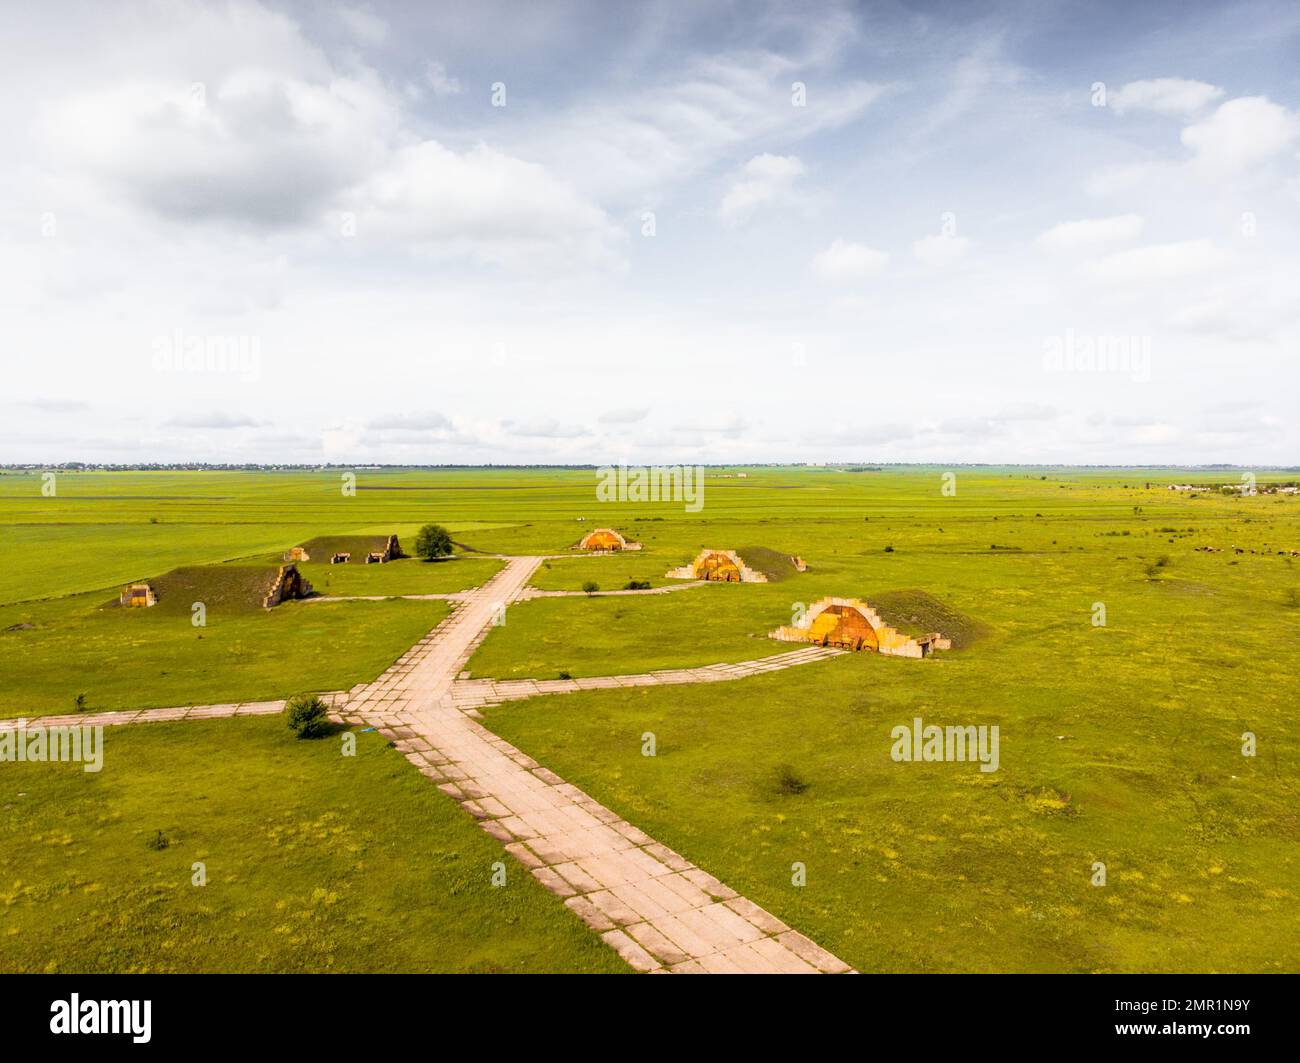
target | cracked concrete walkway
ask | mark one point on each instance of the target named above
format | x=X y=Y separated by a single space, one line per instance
x=476 y=693
x=655 y=908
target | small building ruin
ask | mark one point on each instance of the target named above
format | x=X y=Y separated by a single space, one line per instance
x=852 y=624
x=137 y=596
x=606 y=541
x=288 y=585
x=718 y=566
x=341 y=549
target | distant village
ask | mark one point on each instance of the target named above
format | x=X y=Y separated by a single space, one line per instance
x=1247 y=490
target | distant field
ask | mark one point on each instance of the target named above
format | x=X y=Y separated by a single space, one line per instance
x=314 y=862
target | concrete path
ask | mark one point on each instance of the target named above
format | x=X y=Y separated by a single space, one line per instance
x=182 y=712
x=657 y=909
x=455 y=596
x=475 y=693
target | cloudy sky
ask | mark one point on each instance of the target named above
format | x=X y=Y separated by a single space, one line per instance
x=681 y=232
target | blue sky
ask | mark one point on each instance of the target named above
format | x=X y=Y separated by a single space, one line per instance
x=677 y=233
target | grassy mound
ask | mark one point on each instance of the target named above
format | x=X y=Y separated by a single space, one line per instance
x=228 y=588
x=917 y=613
x=775 y=565
x=324 y=547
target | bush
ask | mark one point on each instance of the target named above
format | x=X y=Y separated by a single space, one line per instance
x=158 y=842
x=565 y=675
x=307 y=716
x=789 y=782
x=79 y=702
x=637 y=585
x=889 y=549
x=432 y=542
x=590 y=587
x=1153 y=569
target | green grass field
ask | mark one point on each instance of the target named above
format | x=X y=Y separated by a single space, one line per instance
x=314 y=862
x=1120 y=743
x=154 y=658
x=406 y=575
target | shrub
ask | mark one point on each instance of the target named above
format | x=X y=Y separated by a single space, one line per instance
x=565 y=675
x=307 y=716
x=79 y=702
x=788 y=781
x=1153 y=569
x=432 y=542
x=889 y=549
x=590 y=587
x=158 y=842
x=637 y=585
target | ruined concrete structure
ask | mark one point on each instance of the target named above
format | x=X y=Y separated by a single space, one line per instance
x=289 y=584
x=137 y=595
x=719 y=566
x=852 y=624
x=371 y=549
x=605 y=540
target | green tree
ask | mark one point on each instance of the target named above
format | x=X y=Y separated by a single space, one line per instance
x=433 y=542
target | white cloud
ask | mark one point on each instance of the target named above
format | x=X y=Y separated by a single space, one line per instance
x=938 y=249
x=764 y=179
x=845 y=262
x=55 y=405
x=1092 y=232
x=1169 y=96
x=257 y=146
x=624 y=416
x=418 y=422
x=485 y=204
x=1156 y=263
x=544 y=428
x=1240 y=134
x=214 y=420
x=636 y=145
x=364 y=24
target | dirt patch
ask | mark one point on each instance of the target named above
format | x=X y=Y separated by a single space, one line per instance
x=916 y=612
